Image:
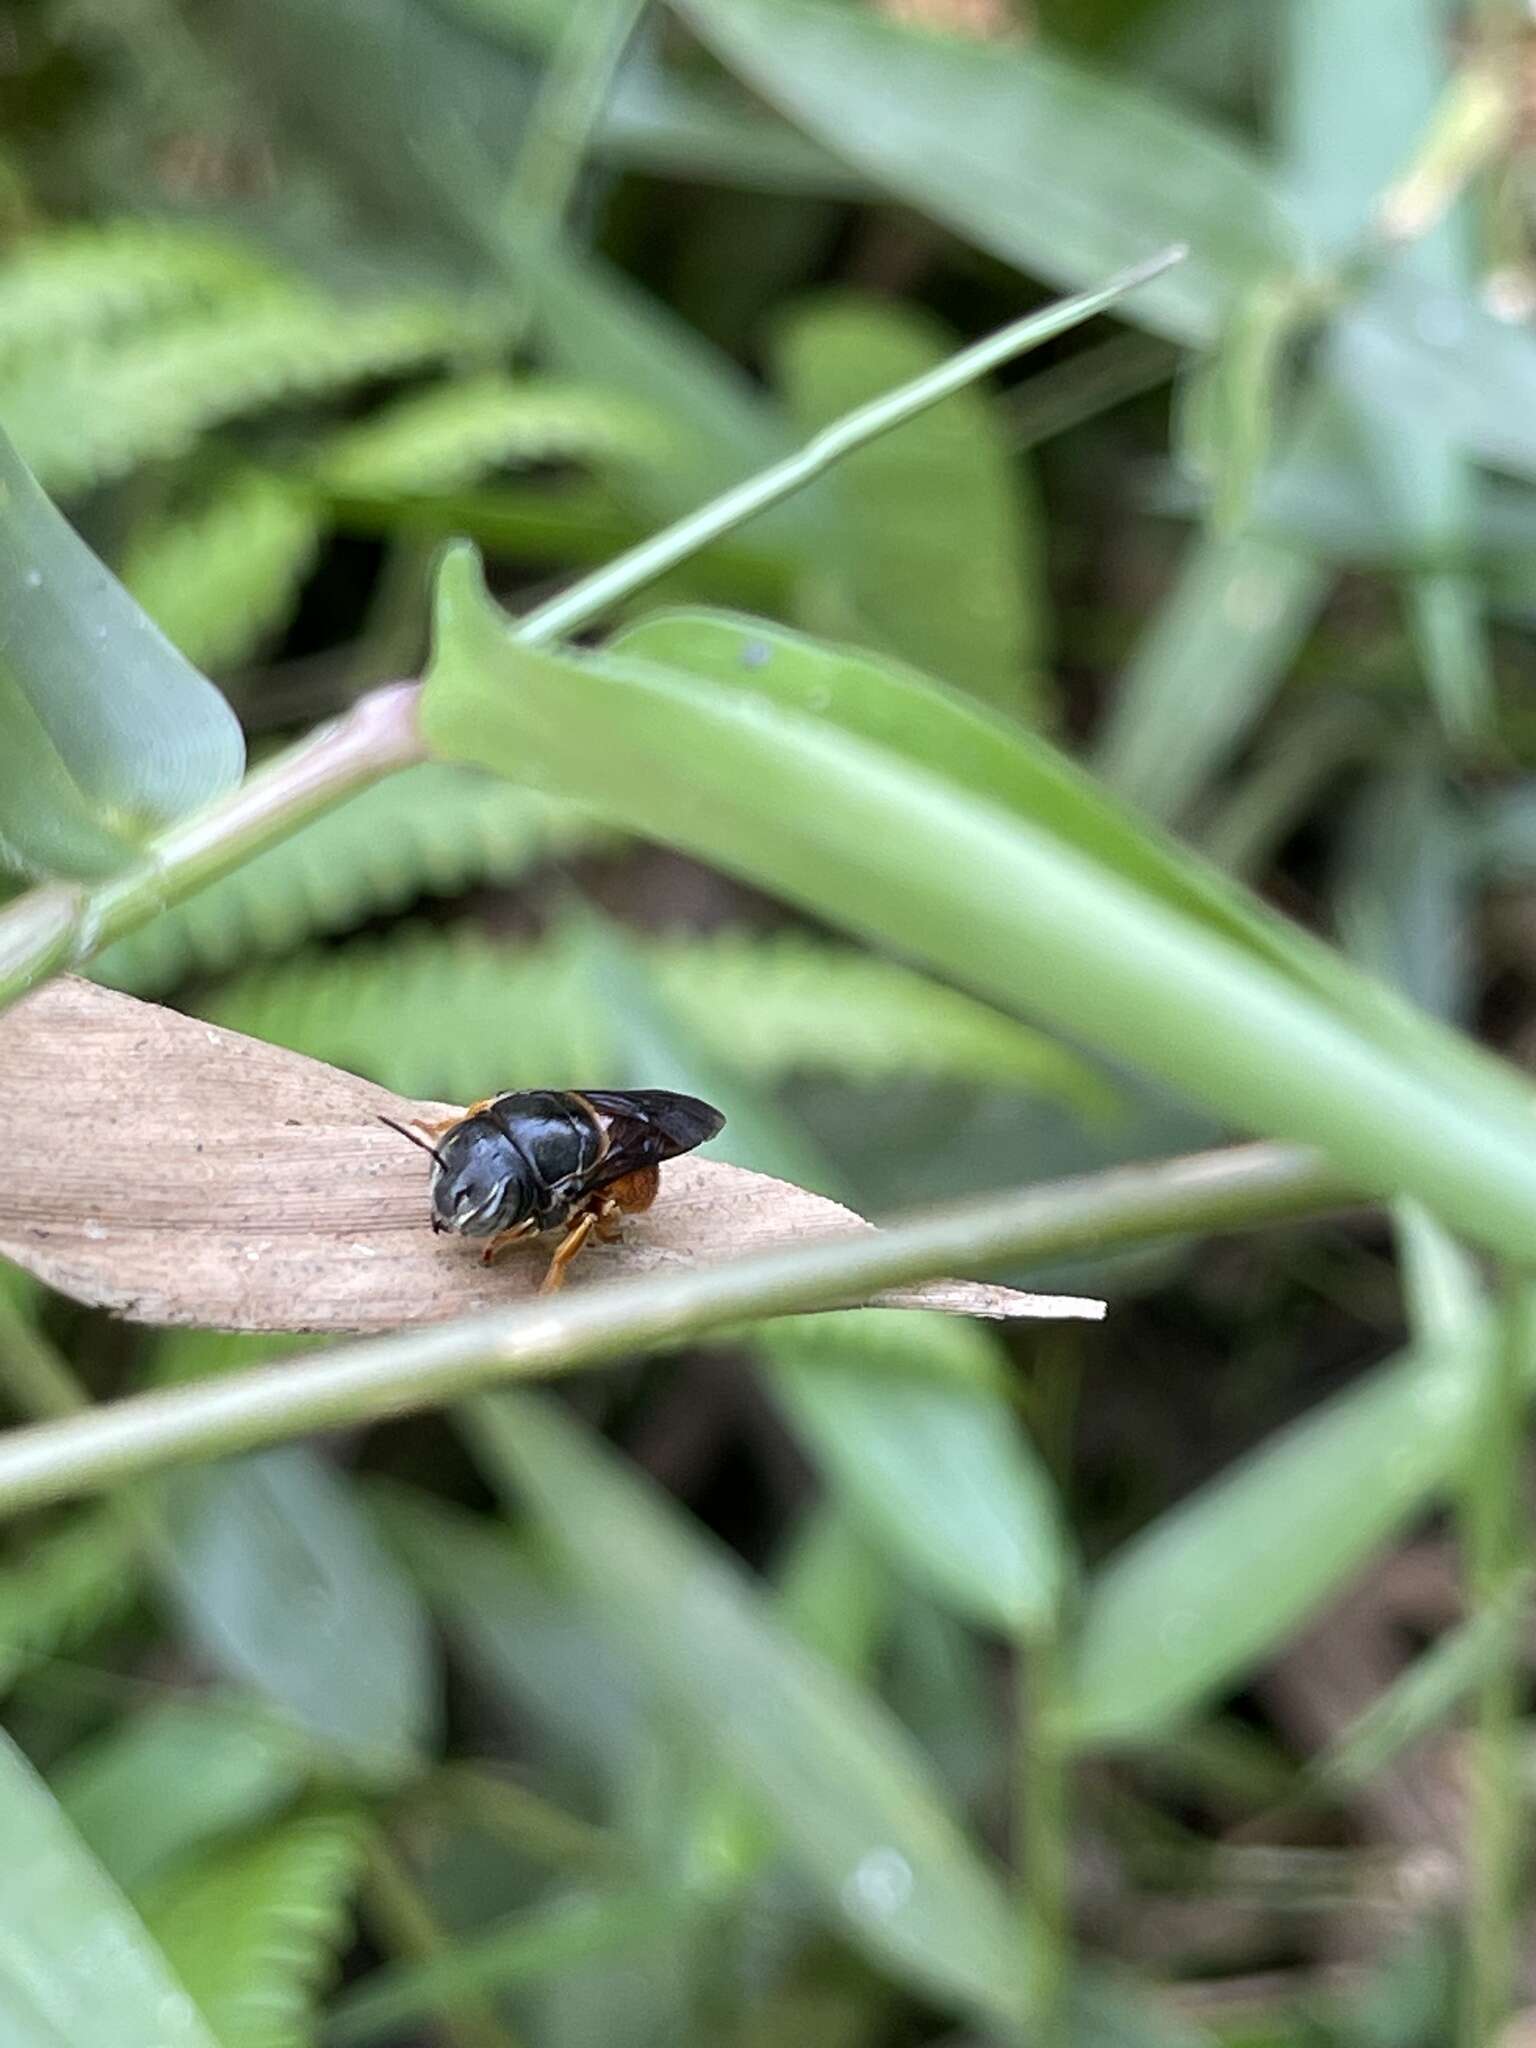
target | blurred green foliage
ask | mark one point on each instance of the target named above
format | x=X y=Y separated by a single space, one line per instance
x=870 y=1680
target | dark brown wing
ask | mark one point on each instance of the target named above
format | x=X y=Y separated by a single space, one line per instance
x=644 y=1126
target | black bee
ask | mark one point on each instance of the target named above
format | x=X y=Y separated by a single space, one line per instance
x=543 y=1159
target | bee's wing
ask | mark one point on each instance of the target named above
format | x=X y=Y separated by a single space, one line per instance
x=648 y=1125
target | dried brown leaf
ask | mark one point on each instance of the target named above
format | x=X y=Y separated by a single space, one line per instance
x=175 y=1172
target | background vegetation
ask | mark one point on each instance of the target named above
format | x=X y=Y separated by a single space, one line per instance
x=870 y=1679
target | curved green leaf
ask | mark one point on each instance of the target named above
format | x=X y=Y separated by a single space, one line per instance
x=429 y=831
x=280 y=1578
x=1058 y=169
x=219 y=576
x=940 y=730
x=939 y=543
x=157 y=1786
x=254 y=1929
x=77 y=1967
x=845 y=1789
x=106 y=733
x=861 y=834
x=929 y=1456
x=1216 y=1583
x=937 y=730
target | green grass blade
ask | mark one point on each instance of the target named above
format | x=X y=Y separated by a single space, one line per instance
x=929 y=1456
x=159 y=1785
x=254 y=1928
x=940 y=547
x=847 y=1793
x=861 y=835
x=1054 y=168
x=1206 y=668
x=1197 y=1600
x=77 y=1967
x=1421 y=482
x=106 y=733
x=280 y=1579
x=541 y=1942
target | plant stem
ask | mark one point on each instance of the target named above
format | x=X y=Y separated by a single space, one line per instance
x=38 y=1381
x=675 y=543
x=569 y=102
x=422 y=1368
x=58 y=927
x=1494 y=1548
x=1042 y=1811
x=529 y=1823
x=537 y=1942
x=396 y=1905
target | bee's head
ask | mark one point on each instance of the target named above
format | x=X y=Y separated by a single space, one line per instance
x=479 y=1179
x=479 y=1186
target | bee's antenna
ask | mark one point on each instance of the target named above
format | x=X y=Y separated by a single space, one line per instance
x=415 y=1138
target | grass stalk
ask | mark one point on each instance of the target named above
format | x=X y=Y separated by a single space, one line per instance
x=396 y=1905
x=421 y=1368
x=1043 y=1824
x=1494 y=1546
x=57 y=927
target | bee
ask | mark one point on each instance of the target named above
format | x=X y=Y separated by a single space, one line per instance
x=576 y=1160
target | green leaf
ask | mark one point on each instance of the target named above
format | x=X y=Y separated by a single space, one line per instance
x=859 y=833
x=98 y=413
x=848 y=1794
x=514 y=1621
x=938 y=532
x=73 y=284
x=1424 y=490
x=77 y=1968
x=1207 y=667
x=429 y=831
x=928 y=1455
x=1066 y=173
x=158 y=1785
x=438 y=439
x=255 y=1928
x=66 y=1584
x=1215 y=1584
x=219 y=577
x=106 y=733
x=281 y=1580
x=770 y=1008
x=596 y=325
x=1236 y=401
x=548 y=1939
x=939 y=730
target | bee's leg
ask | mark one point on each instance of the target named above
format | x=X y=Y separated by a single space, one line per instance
x=567 y=1249
x=446 y=1123
x=636 y=1191
x=505 y=1237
